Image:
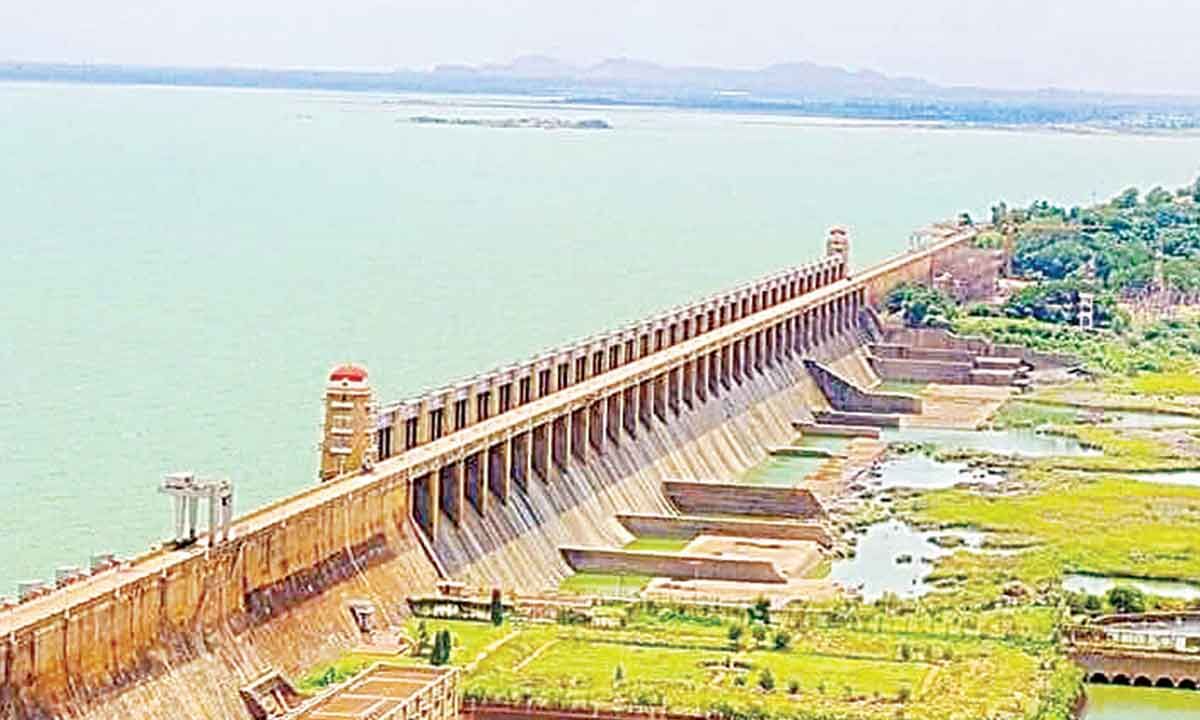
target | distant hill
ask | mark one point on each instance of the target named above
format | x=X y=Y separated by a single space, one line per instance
x=798 y=88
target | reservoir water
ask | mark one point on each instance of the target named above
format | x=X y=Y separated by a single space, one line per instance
x=180 y=267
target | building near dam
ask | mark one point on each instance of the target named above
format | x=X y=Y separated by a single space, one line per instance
x=515 y=479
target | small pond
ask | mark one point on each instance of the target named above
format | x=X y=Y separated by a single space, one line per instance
x=832 y=443
x=874 y=570
x=1145 y=419
x=1016 y=441
x=1100 y=584
x=918 y=470
x=1167 y=477
x=781 y=470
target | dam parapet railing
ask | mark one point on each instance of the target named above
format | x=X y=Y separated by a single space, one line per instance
x=405 y=424
x=97 y=627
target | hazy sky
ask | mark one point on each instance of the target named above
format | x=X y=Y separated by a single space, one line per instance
x=1122 y=45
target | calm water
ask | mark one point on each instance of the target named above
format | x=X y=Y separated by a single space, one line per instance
x=1126 y=703
x=179 y=267
x=874 y=569
x=1016 y=441
x=1099 y=585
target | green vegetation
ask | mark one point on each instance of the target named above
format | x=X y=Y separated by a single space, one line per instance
x=921 y=306
x=496 y=608
x=340 y=670
x=815 y=665
x=1058 y=301
x=1103 y=525
x=604 y=584
x=1163 y=346
x=442 y=644
x=1018 y=414
x=901 y=386
x=658 y=544
x=1117 y=241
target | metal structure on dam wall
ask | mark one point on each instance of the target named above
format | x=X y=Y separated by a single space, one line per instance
x=467 y=451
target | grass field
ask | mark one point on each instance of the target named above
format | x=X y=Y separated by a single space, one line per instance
x=688 y=664
x=1018 y=414
x=658 y=544
x=604 y=584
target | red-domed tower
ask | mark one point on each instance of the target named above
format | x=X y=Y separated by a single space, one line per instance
x=347 y=444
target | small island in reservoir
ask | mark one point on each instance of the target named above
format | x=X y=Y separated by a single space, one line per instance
x=537 y=123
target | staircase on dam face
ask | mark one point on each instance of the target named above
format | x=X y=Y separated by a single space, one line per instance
x=940 y=356
x=952 y=366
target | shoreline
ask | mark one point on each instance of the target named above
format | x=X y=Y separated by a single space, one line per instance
x=751 y=115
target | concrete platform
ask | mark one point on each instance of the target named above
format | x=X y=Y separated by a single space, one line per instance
x=793 y=559
x=963 y=407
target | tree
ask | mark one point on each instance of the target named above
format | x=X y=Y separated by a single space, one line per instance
x=760 y=611
x=760 y=633
x=422 y=636
x=618 y=674
x=1125 y=599
x=766 y=680
x=497 y=608
x=782 y=640
x=1127 y=199
x=735 y=633
x=999 y=212
x=921 y=306
x=1158 y=196
x=442 y=645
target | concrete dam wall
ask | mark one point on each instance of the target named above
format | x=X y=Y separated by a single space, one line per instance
x=483 y=482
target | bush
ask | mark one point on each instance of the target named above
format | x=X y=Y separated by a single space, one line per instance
x=760 y=633
x=735 y=632
x=793 y=687
x=782 y=640
x=760 y=611
x=1125 y=599
x=766 y=680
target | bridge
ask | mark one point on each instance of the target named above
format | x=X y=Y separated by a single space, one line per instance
x=400 y=480
x=1146 y=650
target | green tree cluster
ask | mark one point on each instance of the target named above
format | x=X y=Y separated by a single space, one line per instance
x=1058 y=301
x=921 y=306
x=1115 y=243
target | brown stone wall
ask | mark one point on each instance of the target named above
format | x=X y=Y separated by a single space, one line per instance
x=846 y=396
x=939 y=339
x=678 y=566
x=687 y=527
x=908 y=352
x=729 y=499
x=97 y=643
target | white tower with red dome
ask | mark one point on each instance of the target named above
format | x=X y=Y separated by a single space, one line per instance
x=348 y=440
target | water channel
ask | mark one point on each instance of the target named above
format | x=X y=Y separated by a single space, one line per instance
x=1109 y=702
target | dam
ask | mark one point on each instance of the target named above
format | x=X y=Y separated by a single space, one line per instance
x=509 y=479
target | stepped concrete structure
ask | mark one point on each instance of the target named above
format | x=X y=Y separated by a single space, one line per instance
x=485 y=482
